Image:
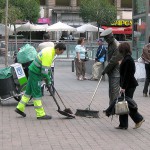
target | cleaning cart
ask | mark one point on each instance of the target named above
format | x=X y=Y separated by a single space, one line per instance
x=12 y=82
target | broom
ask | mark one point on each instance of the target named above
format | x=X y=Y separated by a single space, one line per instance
x=88 y=112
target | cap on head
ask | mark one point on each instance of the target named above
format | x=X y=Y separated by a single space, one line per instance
x=106 y=32
x=100 y=40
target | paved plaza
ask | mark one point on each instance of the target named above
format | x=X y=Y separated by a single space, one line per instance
x=59 y=133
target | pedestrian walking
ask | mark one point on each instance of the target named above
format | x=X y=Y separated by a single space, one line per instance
x=39 y=70
x=112 y=68
x=128 y=85
x=80 y=60
x=99 y=61
x=146 y=57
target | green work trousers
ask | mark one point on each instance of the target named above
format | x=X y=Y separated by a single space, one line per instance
x=33 y=89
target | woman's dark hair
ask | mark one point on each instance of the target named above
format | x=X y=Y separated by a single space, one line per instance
x=80 y=40
x=124 y=48
x=60 y=46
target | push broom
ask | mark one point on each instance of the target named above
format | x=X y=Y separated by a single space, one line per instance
x=88 y=112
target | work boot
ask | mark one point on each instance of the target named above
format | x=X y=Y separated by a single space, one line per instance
x=20 y=112
x=46 y=117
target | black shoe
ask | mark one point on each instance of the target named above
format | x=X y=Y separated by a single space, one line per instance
x=123 y=128
x=46 y=117
x=20 y=112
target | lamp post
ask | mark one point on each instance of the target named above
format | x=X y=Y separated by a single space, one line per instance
x=6 y=34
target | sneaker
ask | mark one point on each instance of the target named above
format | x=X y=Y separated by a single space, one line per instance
x=20 y=112
x=84 y=78
x=46 y=117
x=80 y=78
x=138 y=125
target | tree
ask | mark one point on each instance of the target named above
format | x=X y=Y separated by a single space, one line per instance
x=100 y=11
x=20 y=10
x=26 y=10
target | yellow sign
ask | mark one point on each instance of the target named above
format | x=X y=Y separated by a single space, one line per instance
x=122 y=23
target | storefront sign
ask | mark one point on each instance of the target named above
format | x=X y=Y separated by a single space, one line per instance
x=44 y=20
x=122 y=23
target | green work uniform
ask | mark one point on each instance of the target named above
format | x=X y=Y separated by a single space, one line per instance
x=39 y=69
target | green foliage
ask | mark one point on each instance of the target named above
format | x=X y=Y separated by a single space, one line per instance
x=21 y=9
x=101 y=11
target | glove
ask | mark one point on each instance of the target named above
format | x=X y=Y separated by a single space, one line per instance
x=48 y=85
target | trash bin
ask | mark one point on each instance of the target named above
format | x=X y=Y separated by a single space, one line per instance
x=7 y=85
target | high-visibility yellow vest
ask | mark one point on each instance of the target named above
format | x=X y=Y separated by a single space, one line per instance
x=42 y=63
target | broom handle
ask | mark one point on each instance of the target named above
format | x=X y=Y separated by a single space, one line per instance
x=54 y=98
x=58 y=95
x=95 y=91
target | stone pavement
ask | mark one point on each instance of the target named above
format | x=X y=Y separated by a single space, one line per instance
x=17 y=133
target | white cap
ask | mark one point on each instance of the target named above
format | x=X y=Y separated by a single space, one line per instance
x=106 y=32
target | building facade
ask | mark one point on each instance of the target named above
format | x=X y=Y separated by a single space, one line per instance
x=68 y=10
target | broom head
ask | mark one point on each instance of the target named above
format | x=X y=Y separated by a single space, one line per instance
x=68 y=110
x=70 y=116
x=87 y=113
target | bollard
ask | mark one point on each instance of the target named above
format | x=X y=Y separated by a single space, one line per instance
x=72 y=65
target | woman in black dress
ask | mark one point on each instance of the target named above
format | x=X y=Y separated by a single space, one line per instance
x=128 y=85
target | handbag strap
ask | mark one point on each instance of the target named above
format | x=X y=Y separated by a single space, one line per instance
x=123 y=97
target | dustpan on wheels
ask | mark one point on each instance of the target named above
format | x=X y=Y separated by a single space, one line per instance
x=88 y=112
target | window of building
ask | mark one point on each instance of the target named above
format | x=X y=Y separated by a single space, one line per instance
x=139 y=7
x=126 y=4
x=62 y=2
x=42 y=2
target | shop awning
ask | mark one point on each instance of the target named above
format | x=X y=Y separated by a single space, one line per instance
x=119 y=30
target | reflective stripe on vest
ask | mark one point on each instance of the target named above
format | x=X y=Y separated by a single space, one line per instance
x=37 y=62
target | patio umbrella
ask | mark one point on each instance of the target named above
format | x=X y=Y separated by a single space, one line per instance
x=88 y=28
x=59 y=26
x=28 y=27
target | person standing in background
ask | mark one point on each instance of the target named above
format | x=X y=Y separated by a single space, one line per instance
x=99 y=60
x=146 y=57
x=79 y=60
x=112 y=68
x=70 y=37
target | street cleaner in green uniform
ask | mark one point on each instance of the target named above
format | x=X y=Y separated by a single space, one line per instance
x=39 y=70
